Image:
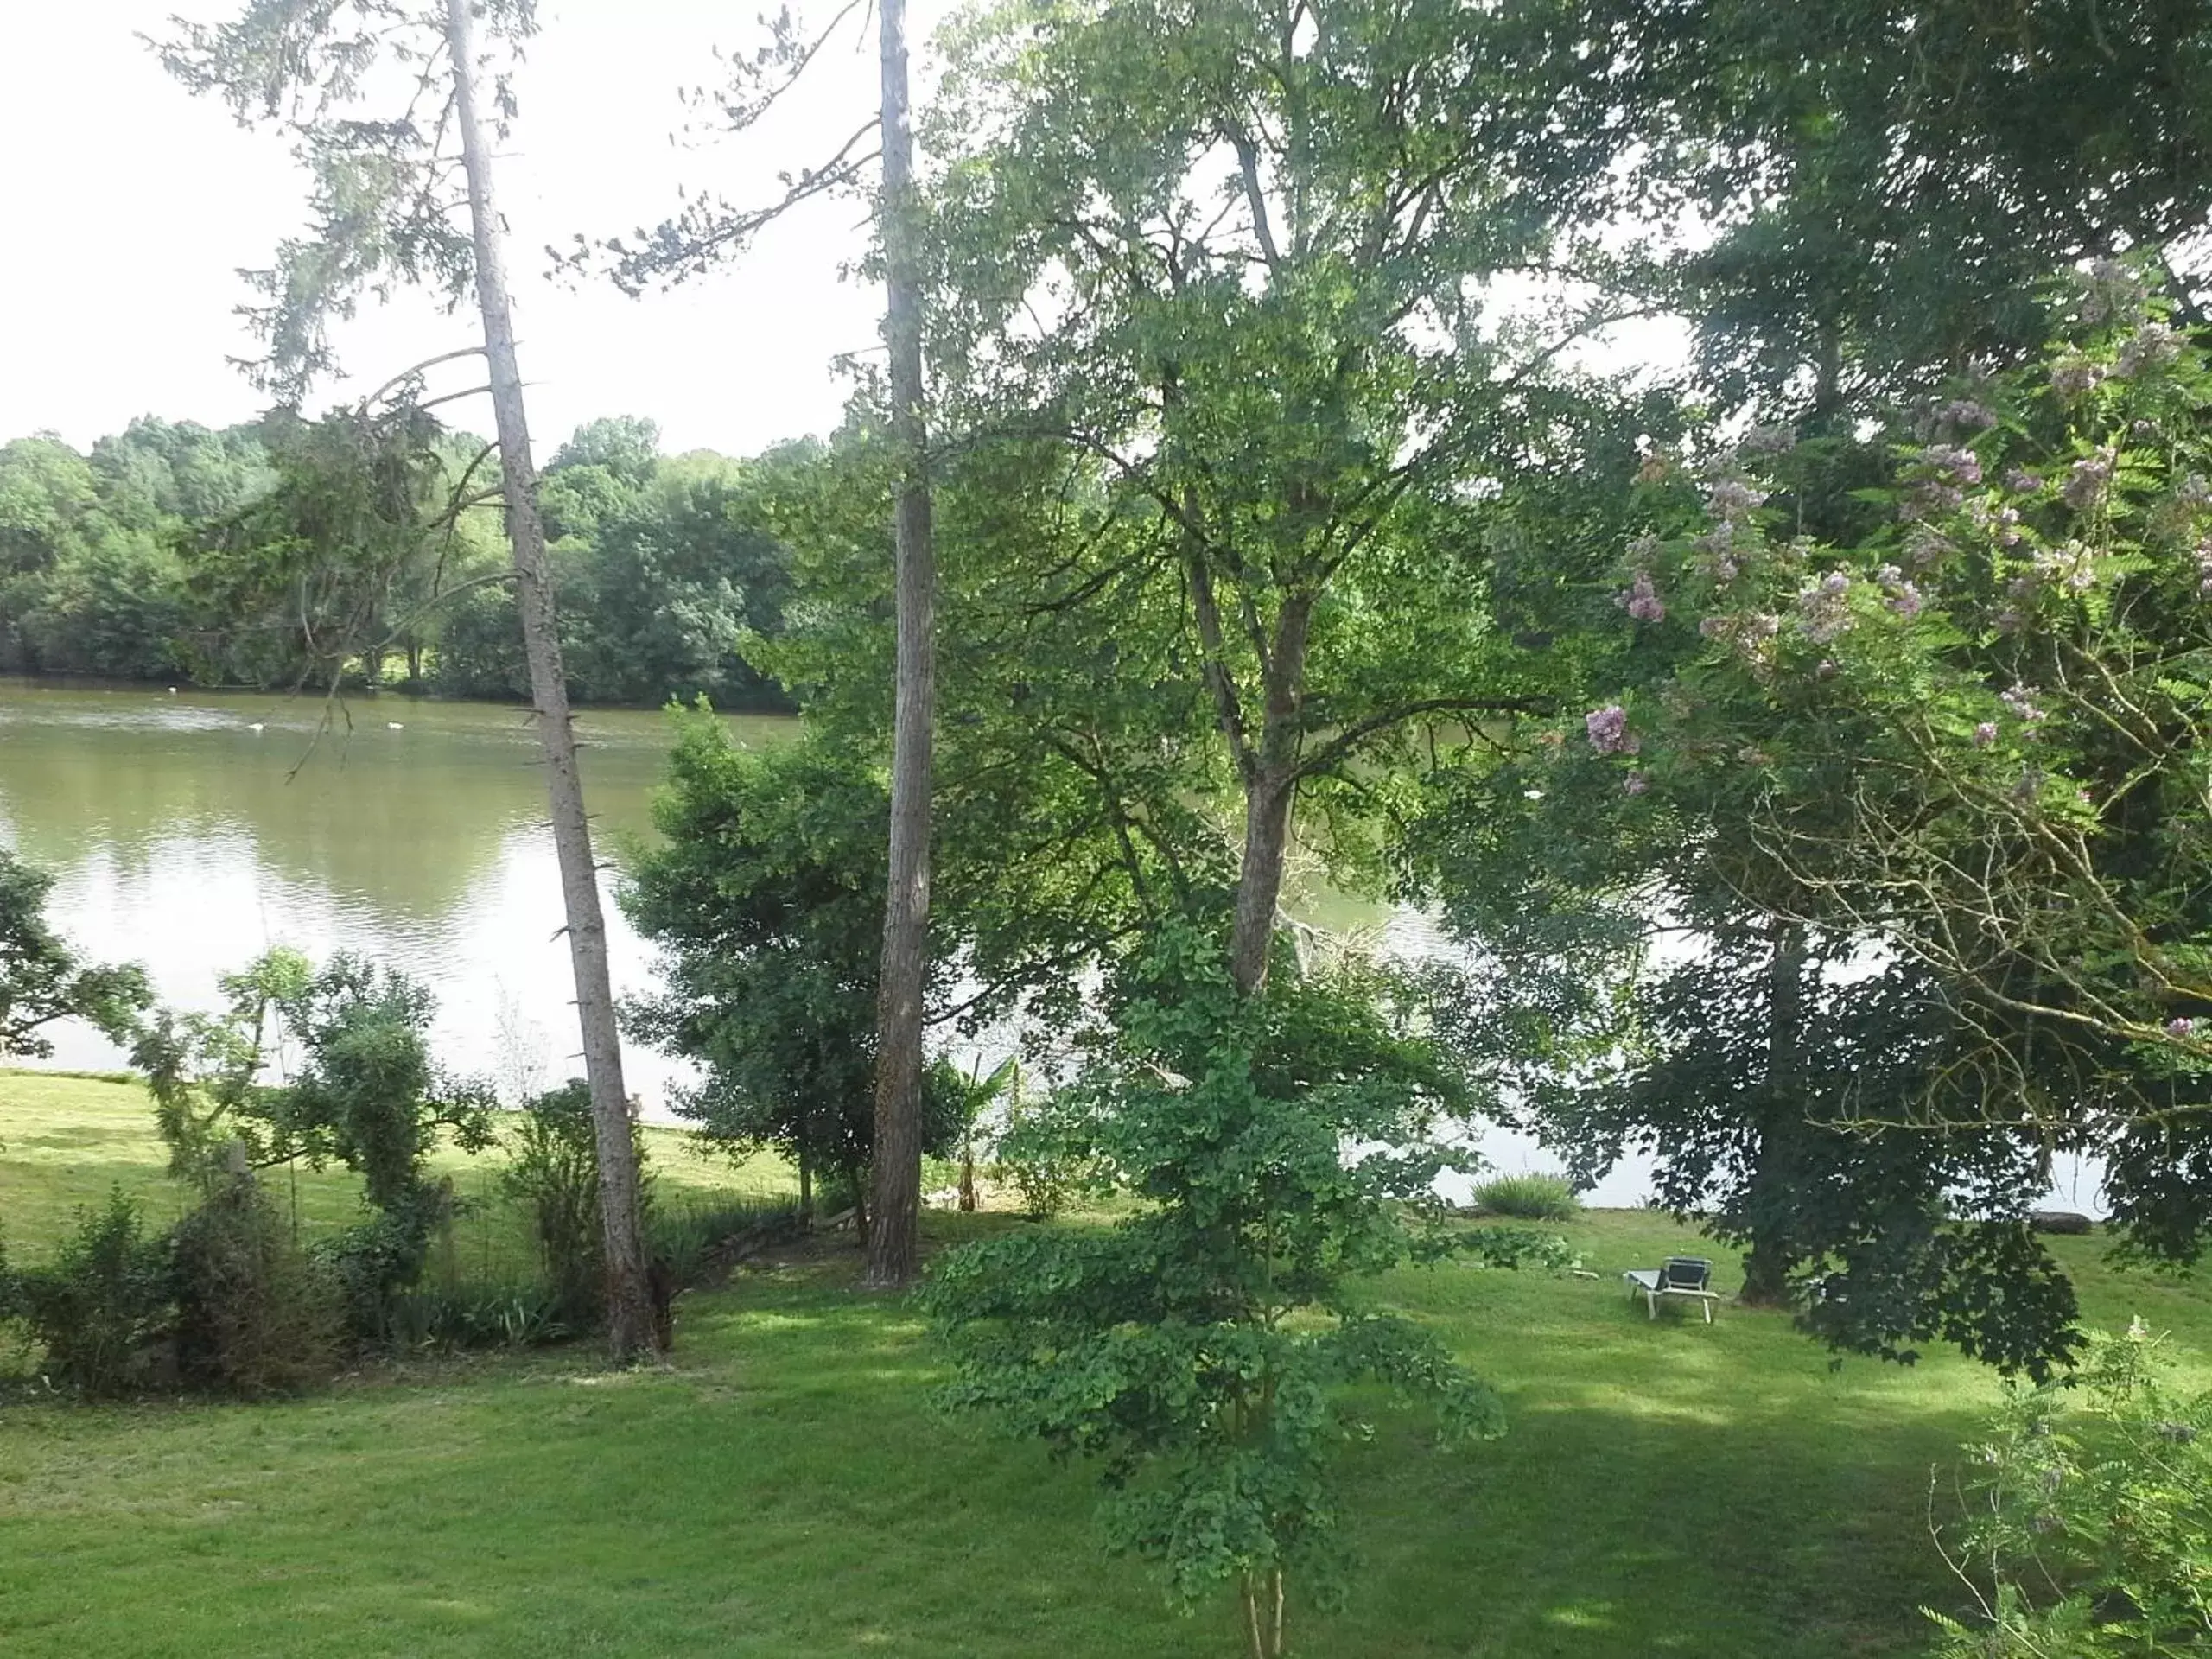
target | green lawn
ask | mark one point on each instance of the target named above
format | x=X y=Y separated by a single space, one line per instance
x=784 y=1490
x=66 y=1142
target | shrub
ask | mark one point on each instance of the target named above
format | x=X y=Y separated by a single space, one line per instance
x=1201 y=1349
x=524 y=1314
x=2088 y=1516
x=1033 y=1158
x=103 y=1309
x=254 y=1315
x=686 y=1239
x=1528 y=1197
x=554 y=1177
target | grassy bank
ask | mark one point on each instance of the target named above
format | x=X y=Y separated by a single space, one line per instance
x=785 y=1491
x=67 y=1141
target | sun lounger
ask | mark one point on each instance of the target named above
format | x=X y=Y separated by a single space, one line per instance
x=1681 y=1275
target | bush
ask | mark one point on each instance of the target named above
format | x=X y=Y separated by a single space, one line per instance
x=685 y=1240
x=1528 y=1197
x=103 y=1309
x=254 y=1315
x=524 y=1314
x=1033 y=1158
x=2087 y=1523
x=555 y=1177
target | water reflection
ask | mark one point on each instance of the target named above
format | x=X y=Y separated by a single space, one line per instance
x=192 y=831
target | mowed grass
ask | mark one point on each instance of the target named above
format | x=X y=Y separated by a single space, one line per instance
x=785 y=1488
x=67 y=1141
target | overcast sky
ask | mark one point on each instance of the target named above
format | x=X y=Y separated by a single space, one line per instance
x=131 y=206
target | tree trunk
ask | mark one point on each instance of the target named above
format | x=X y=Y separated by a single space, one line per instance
x=1259 y=879
x=1270 y=790
x=893 y=1241
x=1767 y=1264
x=630 y=1322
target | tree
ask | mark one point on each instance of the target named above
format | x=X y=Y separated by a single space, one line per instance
x=1960 y=744
x=765 y=898
x=1888 y=183
x=1199 y=1348
x=1142 y=206
x=43 y=980
x=383 y=206
x=894 y=1242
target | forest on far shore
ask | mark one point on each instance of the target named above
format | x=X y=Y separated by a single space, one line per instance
x=122 y=563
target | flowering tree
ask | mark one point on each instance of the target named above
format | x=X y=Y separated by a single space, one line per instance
x=1971 y=737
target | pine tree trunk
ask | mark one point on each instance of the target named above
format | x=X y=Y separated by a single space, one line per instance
x=630 y=1326
x=893 y=1241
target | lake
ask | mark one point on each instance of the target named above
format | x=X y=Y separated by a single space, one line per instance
x=193 y=831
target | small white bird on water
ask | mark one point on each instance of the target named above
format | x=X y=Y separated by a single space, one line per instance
x=255 y=727
x=393 y=726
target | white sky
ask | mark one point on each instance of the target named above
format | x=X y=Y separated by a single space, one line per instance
x=131 y=206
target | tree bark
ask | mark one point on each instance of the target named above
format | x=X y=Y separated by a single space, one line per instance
x=893 y=1240
x=1768 y=1262
x=632 y=1329
x=1270 y=790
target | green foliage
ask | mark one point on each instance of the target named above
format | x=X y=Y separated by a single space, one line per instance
x=103 y=1309
x=1279 y=1147
x=255 y=1315
x=765 y=898
x=365 y=1092
x=552 y=1173
x=2087 y=1528
x=1047 y=1174
x=42 y=979
x=1528 y=1197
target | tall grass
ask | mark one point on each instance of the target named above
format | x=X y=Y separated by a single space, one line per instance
x=1528 y=1197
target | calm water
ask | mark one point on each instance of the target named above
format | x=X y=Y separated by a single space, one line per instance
x=193 y=831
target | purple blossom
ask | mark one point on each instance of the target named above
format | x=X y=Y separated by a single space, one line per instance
x=2021 y=481
x=1952 y=461
x=2073 y=375
x=1966 y=412
x=1824 y=610
x=2151 y=347
x=1729 y=498
x=1925 y=546
x=1767 y=440
x=1636 y=781
x=1985 y=733
x=2021 y=701
x=1609 y=732
x=2086 y=480
x=1642 y=600
x=2193 y=494
x=2180 y=1028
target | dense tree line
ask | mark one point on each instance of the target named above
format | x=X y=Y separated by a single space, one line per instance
x=150 y=558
